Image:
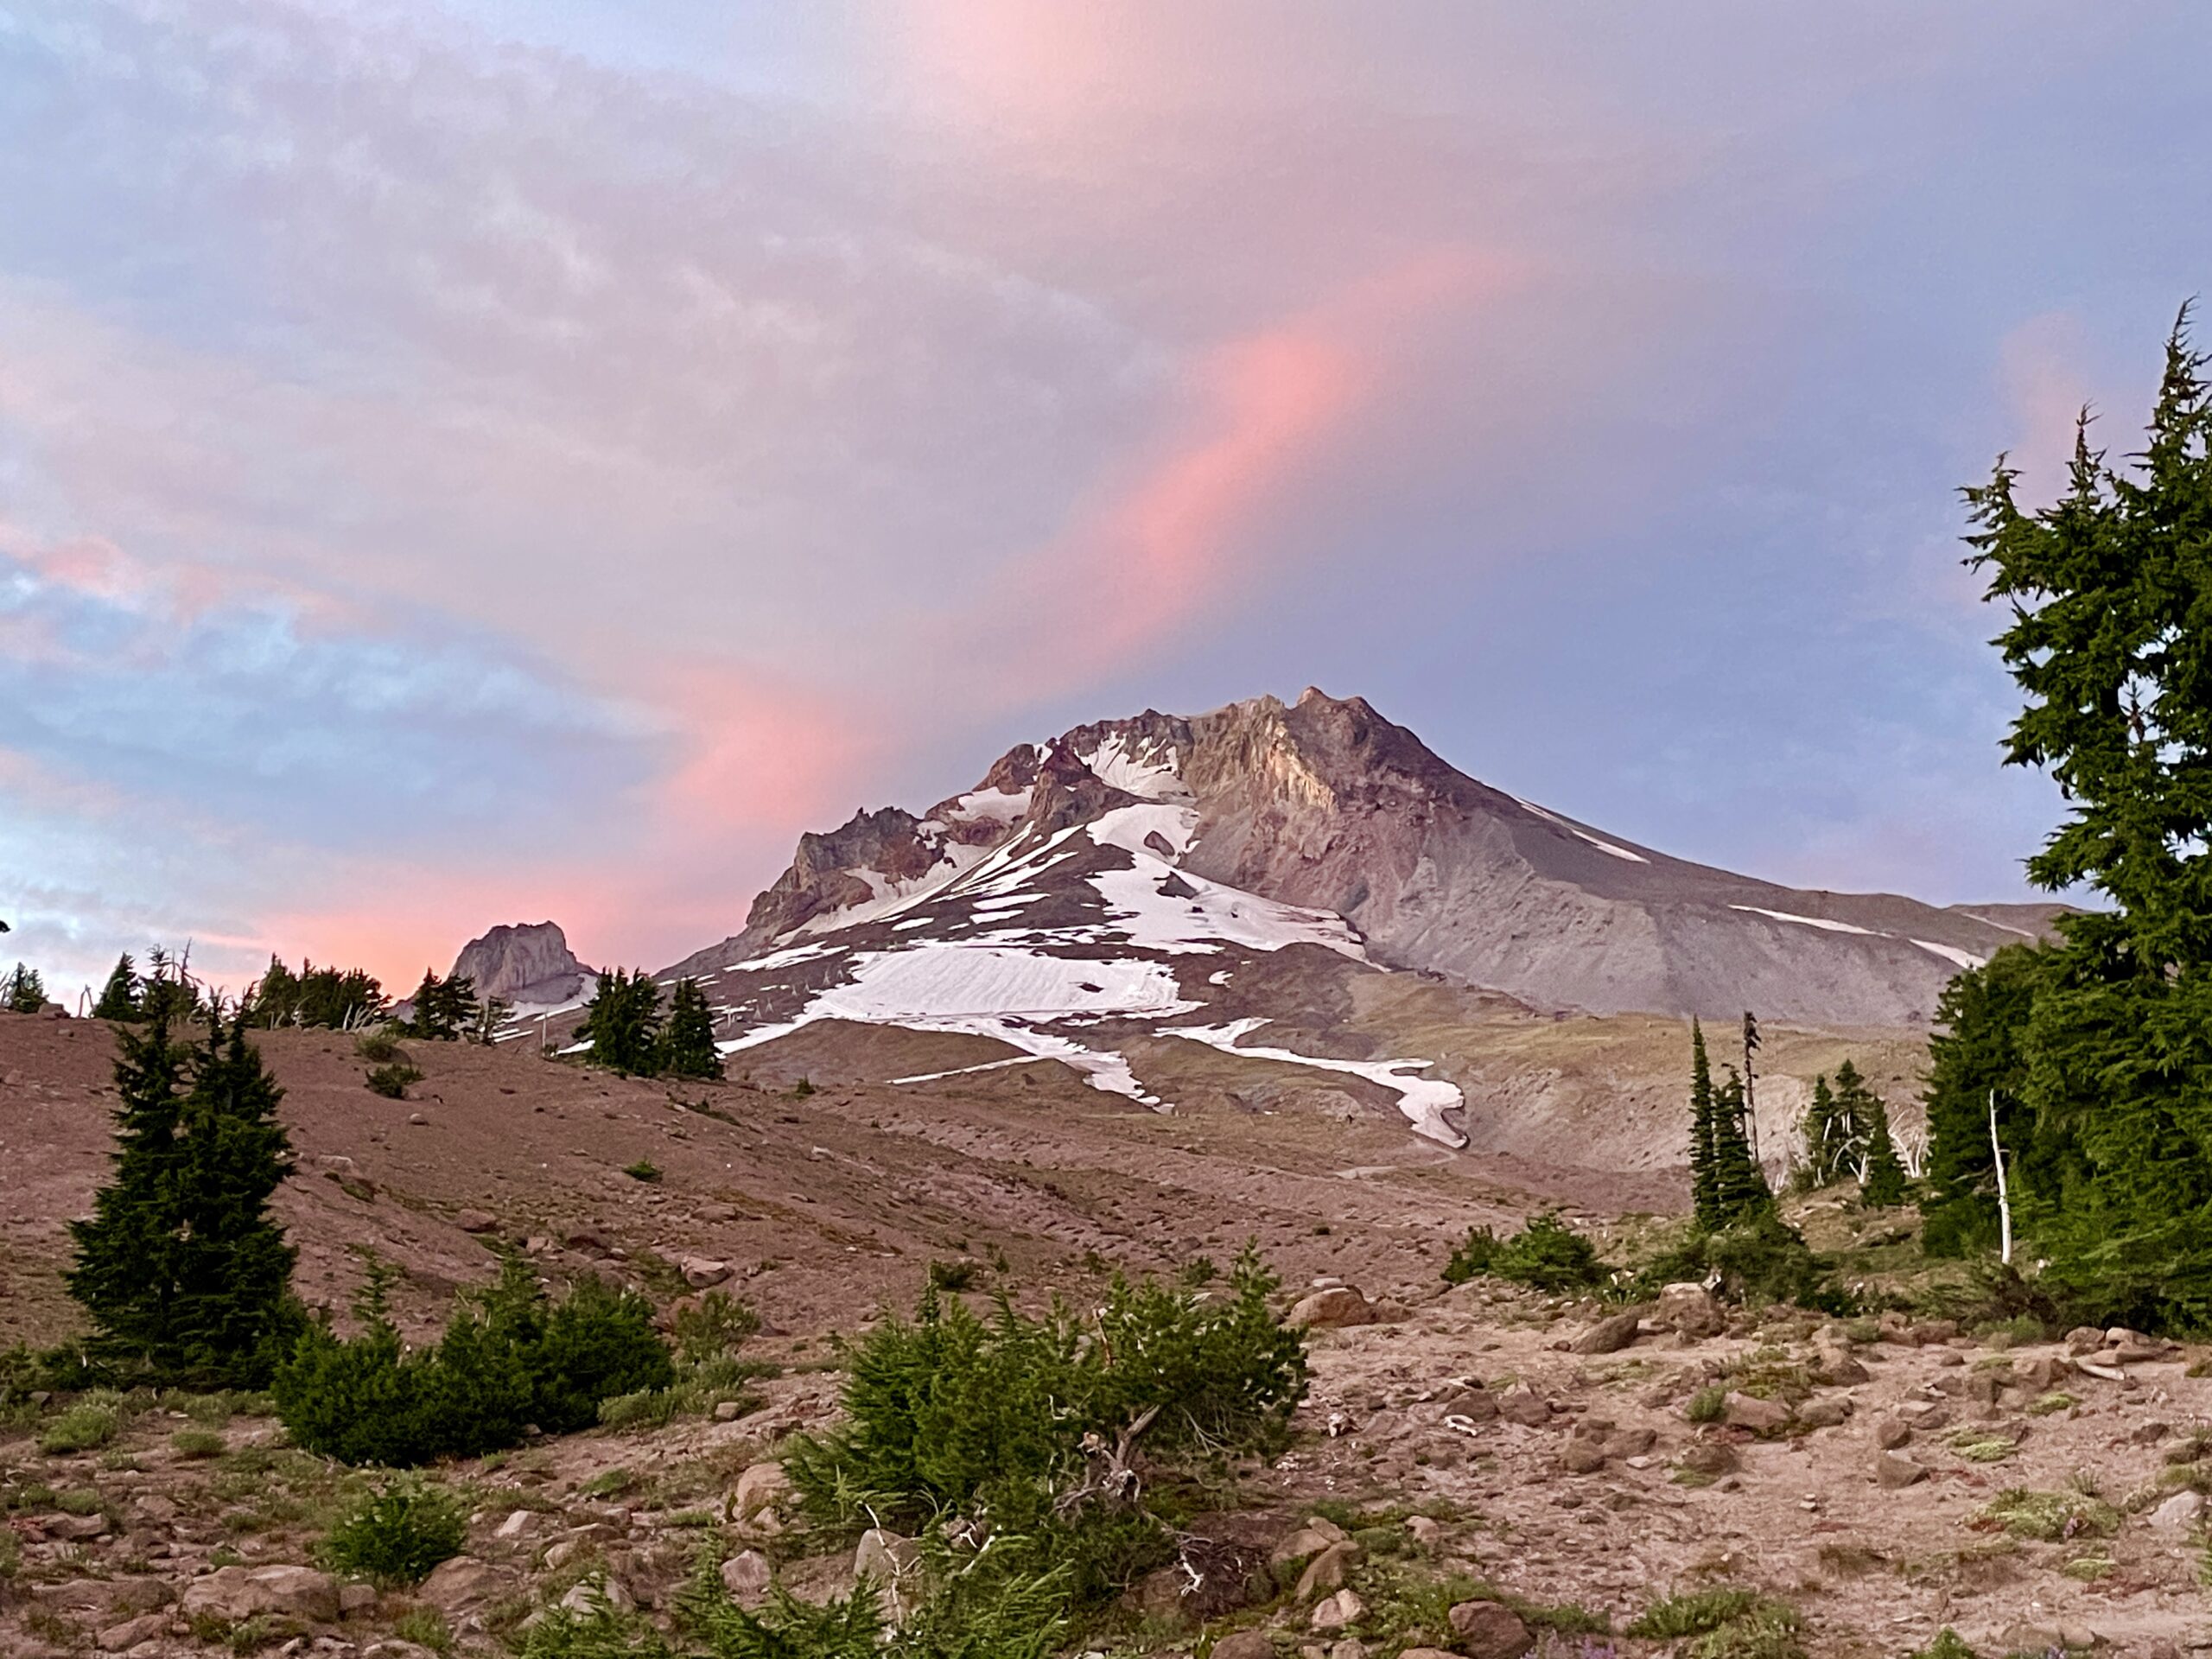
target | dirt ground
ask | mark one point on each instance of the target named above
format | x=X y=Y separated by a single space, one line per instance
x=1464 y=1439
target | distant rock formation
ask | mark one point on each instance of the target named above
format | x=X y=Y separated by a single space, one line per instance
x=526 y=963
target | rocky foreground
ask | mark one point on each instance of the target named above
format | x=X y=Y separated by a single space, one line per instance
x=1483 y=1473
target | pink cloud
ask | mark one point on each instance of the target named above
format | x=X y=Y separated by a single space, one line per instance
x=2045 y=389
x=1272 y=406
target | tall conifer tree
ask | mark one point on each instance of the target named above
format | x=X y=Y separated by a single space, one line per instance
x=184 y=1271
x=119 y=999
x=687 y=1049
x=1882 y=1185
x=1740 y=1190
x=1705 y=1190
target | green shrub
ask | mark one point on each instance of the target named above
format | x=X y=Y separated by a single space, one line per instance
x=391 y=1081
x=1708 y=1405
x=379 y=1047
x=2048 y=1517
x=84 y=1426
x=509 y=1357
x=951 y=1276
x=711 y=1367
x=1758 y=1260
x=396 y=1533
x=1030 y=1421
x=1544 y=1254
x=644 y=1170
x=1948 y=1644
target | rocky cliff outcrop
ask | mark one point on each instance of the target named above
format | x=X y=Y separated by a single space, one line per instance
x=527 y=964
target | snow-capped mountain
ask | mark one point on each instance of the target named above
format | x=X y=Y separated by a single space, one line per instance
x=527 y=964
x=1165 y=879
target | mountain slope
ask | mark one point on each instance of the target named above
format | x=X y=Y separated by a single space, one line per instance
x=1135 y=892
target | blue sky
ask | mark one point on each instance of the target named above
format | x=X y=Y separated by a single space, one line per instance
x=473 y=462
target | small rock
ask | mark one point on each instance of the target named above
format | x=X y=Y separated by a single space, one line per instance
x=1339 y=1307
x=1709 y=1457
x=885 y=1556
x=729 y=1411
x=1891 y=1434
x=1488 y=1630
x=1581 y=1456
x=1893 y=1472
x=1335 y=1612
x=746 y=1576
x=700 y=1271
x=1841 y=1371
x=1826 y=1411
x=1690 y=1310
x=356 y=1599
x=416 y=1119
x=2084 y=1339
x=1760 y=1417
x=1424 y=1530
x=463 y=1583
x=1609 y=1336
x=478 y=1221
x=515 y=1525
x=1476 y=1405
x=1524 y=1405
x=588 y=1597
x=1244 y=1644
x=760 y=1489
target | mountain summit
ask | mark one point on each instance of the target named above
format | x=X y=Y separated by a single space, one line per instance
x=1344 y=829
x=1133 y=887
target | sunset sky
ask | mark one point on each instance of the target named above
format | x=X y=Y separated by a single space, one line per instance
x=497 y=459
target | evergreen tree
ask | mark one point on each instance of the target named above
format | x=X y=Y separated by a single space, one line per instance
x=124 y=1275
x=234 y=1269
x=23 y=991
x=1740 y=1190
x=119 y=999
x=444 y=1008
x=1975 y=1052
x=274 y=999
x=622 y=1021
x=185 y=1272
x=1822 y=1132
x=2109 y=592
x=1704 y=1187
x=166 y=993
x=1882 y=1186
x=688 y=1047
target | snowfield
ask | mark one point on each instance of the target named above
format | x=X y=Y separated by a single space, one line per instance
x=1423 y=1100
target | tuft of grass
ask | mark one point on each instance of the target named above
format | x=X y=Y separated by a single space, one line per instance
x=84 y=1426
x=2047 y=1517
x=644 y=1170
x=952 y=1275
x=1725 y=1624
x=194 y=1444
x=1708 y=1405
x=2048 y=1405
x=1948 y=1644
x=1979 y=1445
x=426 y=1628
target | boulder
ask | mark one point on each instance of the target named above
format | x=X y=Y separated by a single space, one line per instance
x=760 y=1492
x=1840 y=1370
x=701 y=1272
x=128 y=1634
x=1424 y=1530
x=237 y=1593
x=1709 y=1457
x=2179 y=1513
x=1476 y=1405
x=746 y=1576
x=1336 y=1612
x=1893 y=1472
x=885 y=1556
x=1609 y=1336
x=1891 y=1434
x=1690 y=1310
x=1300 y=1546
x=1325 y=1573
x=1244 y=1644
x=1581 y=1456
x=478 y=1221
x=1488 y=1630
x=1760 y=1417
x=464 y=1584
x=1336 y=1307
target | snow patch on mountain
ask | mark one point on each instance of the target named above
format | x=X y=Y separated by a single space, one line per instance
x=1820 y=922
x=1423 y=1100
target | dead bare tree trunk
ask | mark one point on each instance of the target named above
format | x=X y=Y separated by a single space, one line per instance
x=2004 y=1197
